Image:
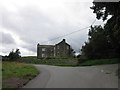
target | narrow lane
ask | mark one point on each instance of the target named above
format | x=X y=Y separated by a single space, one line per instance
x=75 y=77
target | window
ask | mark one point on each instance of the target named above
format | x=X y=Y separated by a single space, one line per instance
x=58 y=47
x=67 y=47
x=43 y=49
x=51 y=50
x=43 y=55
x=54 y=52
x=57 y=53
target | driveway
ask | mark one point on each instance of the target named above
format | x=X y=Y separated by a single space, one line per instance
x=102 y=76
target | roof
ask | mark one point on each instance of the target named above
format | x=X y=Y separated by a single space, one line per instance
x=63 y=41
x=53 y=45
x=46 y=45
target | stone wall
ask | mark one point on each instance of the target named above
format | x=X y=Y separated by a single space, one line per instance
x=26 y=60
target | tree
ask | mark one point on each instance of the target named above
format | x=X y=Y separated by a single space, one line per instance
x=103 y=9
x=72 y=52
x=97 y=46
x=112 y=27
x=14 y=55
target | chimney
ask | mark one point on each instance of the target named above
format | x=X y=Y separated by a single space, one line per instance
x=64 y=40
x=38 y=44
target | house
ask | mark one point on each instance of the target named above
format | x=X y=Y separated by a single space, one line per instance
x=61 y=49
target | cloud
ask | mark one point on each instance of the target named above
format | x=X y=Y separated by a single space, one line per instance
x=7 y=38
x=29 y=23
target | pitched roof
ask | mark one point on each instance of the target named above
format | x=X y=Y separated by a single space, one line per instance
x=63 y=41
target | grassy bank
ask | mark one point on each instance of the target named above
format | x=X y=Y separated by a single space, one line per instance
x=17 y=74
x=99 y=62
x=64 y=61
x=50 y=58
x=58 y=64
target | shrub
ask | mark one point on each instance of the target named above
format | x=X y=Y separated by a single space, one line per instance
x=14 y=55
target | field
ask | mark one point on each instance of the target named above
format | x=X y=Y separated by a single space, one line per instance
x=16 y=75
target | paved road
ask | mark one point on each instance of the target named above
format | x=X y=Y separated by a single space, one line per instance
x=75 y=77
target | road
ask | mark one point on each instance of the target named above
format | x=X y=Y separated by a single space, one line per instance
x=75 y=77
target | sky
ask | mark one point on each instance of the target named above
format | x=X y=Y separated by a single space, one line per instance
x=25 y=23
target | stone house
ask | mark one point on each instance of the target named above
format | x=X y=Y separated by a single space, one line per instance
x=61 y=49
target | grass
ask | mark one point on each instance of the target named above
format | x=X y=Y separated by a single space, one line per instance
x=85 y=63
x=60 y=58
x=13 y=69
x=99 y=62
x=58 y=64
x=55 y=61
x=50 y=58
x=18 y=70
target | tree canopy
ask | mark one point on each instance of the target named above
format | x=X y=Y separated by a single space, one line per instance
x=95 y=47
x=104 y=42
x=103 y=9
x=13 y=55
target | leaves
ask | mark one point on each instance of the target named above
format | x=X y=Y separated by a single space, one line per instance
x=104 y=42
x=14 y=55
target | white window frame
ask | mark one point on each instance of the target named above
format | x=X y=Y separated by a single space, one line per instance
x=43 y=49
x=43 y=55
x=58 y=47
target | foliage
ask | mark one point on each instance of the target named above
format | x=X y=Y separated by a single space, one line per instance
x=81 y=59
x=14 y=55
x=103 y=9
x=112 y=32
x=72 y=52
x=112 y=27
x=5 y=58
x=97 y=47
x=104 y=42
x=30 y=57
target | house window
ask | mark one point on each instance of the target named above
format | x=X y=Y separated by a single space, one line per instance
x=67 y=47
x=43 y=55
x=43 y=49
x=54 y=52
x=57 y=53
x=51 y=50
x=58 y=47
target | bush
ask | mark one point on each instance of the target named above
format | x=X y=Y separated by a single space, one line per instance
x=82 y=59
x=5 y=58
x=14 y=55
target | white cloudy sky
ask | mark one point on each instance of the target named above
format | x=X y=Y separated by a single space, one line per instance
x=24 y=23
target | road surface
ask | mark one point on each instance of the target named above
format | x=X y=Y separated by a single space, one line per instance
x=75 y=77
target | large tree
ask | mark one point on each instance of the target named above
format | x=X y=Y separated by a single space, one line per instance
x=103 y=9
x=112 y=27
x=104 y=42
x=97 y=46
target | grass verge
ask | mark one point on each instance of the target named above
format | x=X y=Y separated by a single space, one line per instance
x=99 y=62
x=86 y=63
x=57 y=64
x=17 y=74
